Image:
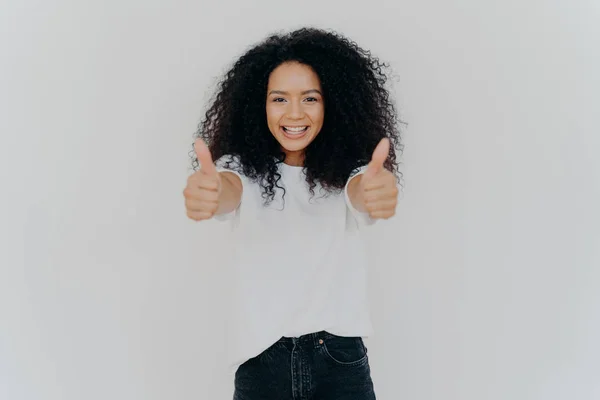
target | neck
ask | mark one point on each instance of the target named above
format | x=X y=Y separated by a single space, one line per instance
x=295 y=159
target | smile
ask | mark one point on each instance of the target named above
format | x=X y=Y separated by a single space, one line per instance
x=295 y=129
x=294 y=132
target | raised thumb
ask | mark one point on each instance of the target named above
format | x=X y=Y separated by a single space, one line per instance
x=378 y=159
x=204 y=157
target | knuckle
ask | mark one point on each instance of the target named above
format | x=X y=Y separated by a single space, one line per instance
x=201 y=182
x=193 y=178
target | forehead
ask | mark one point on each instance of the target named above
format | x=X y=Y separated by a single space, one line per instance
x=291 y=76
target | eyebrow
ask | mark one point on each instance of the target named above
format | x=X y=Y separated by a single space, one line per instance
x=303 y=93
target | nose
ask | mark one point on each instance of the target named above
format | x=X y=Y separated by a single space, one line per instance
x=295 y=110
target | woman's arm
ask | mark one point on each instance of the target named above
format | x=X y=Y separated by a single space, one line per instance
x=231 y=193
x=355 y=195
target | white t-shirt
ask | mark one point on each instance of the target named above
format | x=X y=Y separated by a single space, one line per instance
x=299 y=265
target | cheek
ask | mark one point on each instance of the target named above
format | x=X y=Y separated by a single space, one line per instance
x=273 y=115
x=317 y=115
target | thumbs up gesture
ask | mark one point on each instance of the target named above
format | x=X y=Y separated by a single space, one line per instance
x=376 y=191
x=203 y=187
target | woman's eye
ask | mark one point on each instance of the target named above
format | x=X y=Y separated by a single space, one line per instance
x=311 y=99
x=278 y=99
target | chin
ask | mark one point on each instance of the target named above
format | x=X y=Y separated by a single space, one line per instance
x=293 y=147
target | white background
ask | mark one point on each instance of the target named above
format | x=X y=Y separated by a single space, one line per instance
x=485 y=286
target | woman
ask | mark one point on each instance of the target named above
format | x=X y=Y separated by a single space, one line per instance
x=305 y=136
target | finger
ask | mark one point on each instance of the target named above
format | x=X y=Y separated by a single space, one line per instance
x=380 y=184
x=204 y=157
x=383 y=194
x=208 y=184
x=381 y=205
x=198 y=193
x=381 y=181
x=199 y=216
x=378 y=159
x=200 y=179
x=201 y=205
x=382 y=214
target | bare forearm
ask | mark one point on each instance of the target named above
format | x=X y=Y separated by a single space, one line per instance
x=231 y=193
x=355 y=195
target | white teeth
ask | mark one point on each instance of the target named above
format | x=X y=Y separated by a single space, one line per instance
x=295 y=129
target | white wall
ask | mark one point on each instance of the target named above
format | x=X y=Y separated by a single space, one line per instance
x=486 y=285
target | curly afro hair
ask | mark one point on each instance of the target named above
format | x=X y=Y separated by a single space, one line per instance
x=358 y=111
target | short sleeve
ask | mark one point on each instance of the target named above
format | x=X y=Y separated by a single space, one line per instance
x=228 y=163
x=362 y=218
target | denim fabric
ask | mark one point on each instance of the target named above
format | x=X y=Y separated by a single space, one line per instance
x=318 y=366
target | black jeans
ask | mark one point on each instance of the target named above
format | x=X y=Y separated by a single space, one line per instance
x=318 y=366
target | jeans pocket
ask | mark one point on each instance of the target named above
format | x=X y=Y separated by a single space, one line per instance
x=345 y=351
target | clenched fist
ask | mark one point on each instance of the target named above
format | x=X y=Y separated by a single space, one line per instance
x=376 y=191
x=203 y=187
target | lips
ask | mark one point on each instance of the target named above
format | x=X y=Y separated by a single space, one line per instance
x=295 y=132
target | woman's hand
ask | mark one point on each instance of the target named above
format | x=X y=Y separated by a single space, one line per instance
x=375 y=191
x=203 y=187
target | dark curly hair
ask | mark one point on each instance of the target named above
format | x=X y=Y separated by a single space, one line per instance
x=358 y=111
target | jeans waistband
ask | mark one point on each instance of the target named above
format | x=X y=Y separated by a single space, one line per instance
x=315 y=338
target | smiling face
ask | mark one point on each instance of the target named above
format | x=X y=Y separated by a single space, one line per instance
x=295 y=108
